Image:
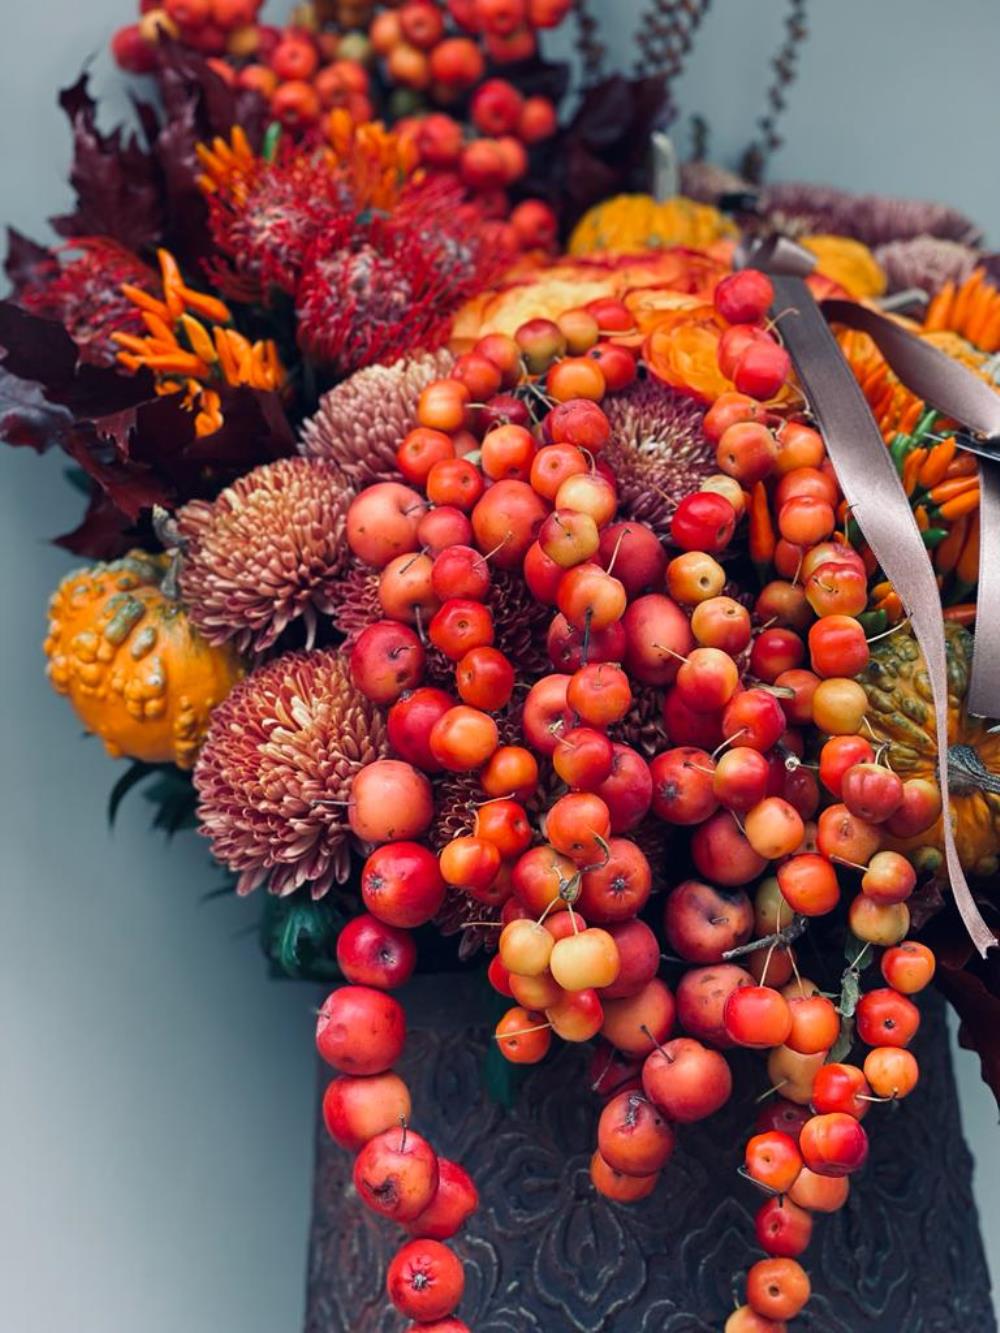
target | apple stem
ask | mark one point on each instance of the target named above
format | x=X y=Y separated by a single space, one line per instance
x=499 y=547
x=656 y=1045
x=573 y=918
x=843 y=861
x=776 y=1087
x=729 y=741
x=491 y=925
x=662 y=648
x=520 y=1032
x=787 y=935
x=886 y=632
x=618 y=546
x=402 y=1140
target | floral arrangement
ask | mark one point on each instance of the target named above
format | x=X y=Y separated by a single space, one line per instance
x=468 y=592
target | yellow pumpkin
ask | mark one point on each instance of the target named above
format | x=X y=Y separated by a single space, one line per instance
x=630 y=223
x=134 y=668
x=849 y=263
x=901 y=715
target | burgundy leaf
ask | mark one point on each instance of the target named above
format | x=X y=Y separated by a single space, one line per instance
x=25 y=259
x=104 y=533
x=26 y=419
x=978 y=1009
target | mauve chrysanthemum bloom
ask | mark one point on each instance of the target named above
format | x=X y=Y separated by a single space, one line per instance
x=657 y=451
x=874 y=219
x=927 y=262
x=361 y=423
x=269 y=550
x=274 y=775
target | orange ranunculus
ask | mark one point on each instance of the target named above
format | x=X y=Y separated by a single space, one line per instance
x=681 y=349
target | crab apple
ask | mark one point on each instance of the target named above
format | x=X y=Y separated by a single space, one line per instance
x=701 y=998
x=455 y=482
x=721 y=852
x=546 y=713
x=632 y=1136
x=617 y=364
x=441 y=529
x=891 y=1071
x=836 y=588
x=580 y=329
x=396 y=1173
x=536 y=992
x=638 y=955
x=792 y=1073
x=694 y=577
x=582 y=758
x=480 y=376
x=819 y=1193
x=844 y=837
x=797 y=689
x=687 y=1080
x=439 y=137
x=499 y=977
x=721 y=622
x=774 y=651
x=568 y=537
x=728 y=409
x=627 y=791
x=815 y=1024
x=526 y=948
x=733 y=343
x=886 y=1018
x=382 y=522
x=588 y=597
x=463 y=739
x=543 y=878
x=523 y=1036
x=808 y=883
x=762 y=370
x=779 y=1113
x=355 y=1109
x=567 y=645
x=746 y=451
x=599 y=693
x=578 y=1016
x=454 y=1202
x=774 y=828
x=635 y=554
x=460 y=572
x=505 y=354
x=360 y=1030
x=410 y=721
x=580 y=422
x=506 y=521
x=740 y=779
x=684 y=726
x=744 y=297
x=541 y=342
x=833 y=1144
x=617 y=1186
x=888 y=879
x=405 y=591
x=401 y=884
x=507 y=453
x=542 y=575
x=471 y=863
x=682 y=785
x=585 y=960
x=919 y=809
x=839 y=706
x=908 y=967
x=552 y=465
x=772 y=1159
x=871 y=791
x=745 y=1320
x=611 y=1072
x=805 y=520
x=420 y=450
x=456 y=63
x=783 y=602
x=632 y=1022
x=771 y=911
x=576 y=377
x=799 y=446
x=371 y=953
x=706 y=680
x=703 y=521
x=484 y=678
x=620 y=888
x=702 y=921
x=755 y=718
x=389 y=800
x=511 y=771
x=589 y=493
x=496 y=107
x=728 y=487
x=504 y=824
x=843 y=1088
x=882 y=924
x=460 y=625
x=757 y=1016
x=425 y=1279
x=777 y=1288
x=537 y=228
x=612 y=315
x=386 y=660
x=657 y=634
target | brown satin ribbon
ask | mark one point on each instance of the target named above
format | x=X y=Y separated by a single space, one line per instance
x=874 y=491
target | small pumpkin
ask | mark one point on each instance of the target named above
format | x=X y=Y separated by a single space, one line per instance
x=134 y=668
x=630 y=223
x=901 y=715
x=848 y=263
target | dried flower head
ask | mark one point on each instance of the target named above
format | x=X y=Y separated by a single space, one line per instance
x=360 y=424
x=875 y=219
x=269 y=550
x=657 y=450
x=275 y=772
x=927 y=262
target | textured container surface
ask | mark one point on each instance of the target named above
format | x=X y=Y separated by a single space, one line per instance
x=545 y=1254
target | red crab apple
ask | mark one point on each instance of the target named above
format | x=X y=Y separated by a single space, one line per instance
x=745 y=1320
x=627 y=791
x=360 y=1030
x=639 y=558
x=657 y=634
x=631 y=1023
x=506 y=521
x=455 y=1200
x=396 y=1173
x=425 y=1279
x=639 y=959
x=448 y=1325
x=701 y=1000
x=687 y=1080
x=402 y=885
x=355 y=1109
x=615 y=1185
x=382 y=522
x=633 y=1136
x=703 y=921
x=833 y=1144
x=618 y=889
x=389 y=799
x=387 y=659
x=410 y=721
x=782 y=1227
x=566 y=644
x=721 y=852
x=371 y=953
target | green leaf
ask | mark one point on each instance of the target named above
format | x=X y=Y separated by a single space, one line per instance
x=501 y=1079
x=299 y=936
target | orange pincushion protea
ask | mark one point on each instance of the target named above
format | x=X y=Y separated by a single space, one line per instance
x=185 y=356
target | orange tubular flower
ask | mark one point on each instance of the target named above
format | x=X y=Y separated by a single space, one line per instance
x=971 y=309
x=185 y=355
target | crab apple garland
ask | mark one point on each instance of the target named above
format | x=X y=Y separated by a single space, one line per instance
x=766 y=776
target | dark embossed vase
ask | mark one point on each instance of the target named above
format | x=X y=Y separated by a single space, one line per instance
x=544 y=1254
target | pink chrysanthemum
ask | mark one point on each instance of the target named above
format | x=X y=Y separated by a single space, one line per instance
x=80 y=286
x=269 y=550
x=275 y=772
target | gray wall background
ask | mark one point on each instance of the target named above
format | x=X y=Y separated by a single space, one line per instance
x=155 y=1113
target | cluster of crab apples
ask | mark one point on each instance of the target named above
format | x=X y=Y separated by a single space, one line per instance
x=767 y=778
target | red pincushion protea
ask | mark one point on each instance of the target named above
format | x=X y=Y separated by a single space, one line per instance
x=80 y=286
x=275 y=772
x=269 y=550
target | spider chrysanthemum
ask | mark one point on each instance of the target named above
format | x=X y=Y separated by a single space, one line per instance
x=657 y=450
x=360 y=424
x=274 y=775
x=269 y=550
